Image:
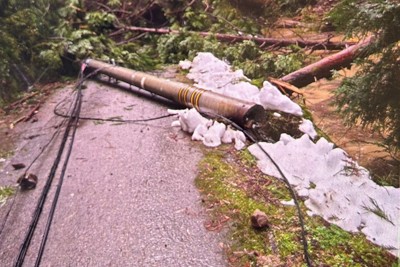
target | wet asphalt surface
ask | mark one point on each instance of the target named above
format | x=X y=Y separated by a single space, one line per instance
x=128 y=197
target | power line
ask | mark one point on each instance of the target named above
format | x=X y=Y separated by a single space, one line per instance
x=288 y=185
x=72 y=117
x=40 y=204
x=55 y=134
x=73 y=123
x=58 y=113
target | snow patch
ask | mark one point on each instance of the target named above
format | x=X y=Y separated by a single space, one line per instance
x=214 y=74
x=336 y=187
x=185 y=64
x=271 y=98
x=307 y=127
x=189 y=119
x=288 y=203
x=211 y=73
x=212 y=134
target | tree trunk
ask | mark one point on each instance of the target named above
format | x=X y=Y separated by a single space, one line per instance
x=324 y=67
x=262 y=41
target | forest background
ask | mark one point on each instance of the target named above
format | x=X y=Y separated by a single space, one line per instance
x=44 y=41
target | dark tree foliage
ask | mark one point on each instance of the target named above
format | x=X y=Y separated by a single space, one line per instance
x=372 y=96
x=24 y=25
x=48 y=38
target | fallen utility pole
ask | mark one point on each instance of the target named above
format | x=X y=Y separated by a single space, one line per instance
x=262 y=41
x=242 y=112
x=324 y=67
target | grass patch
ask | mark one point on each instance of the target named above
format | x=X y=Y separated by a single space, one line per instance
x=5 y=150
x=5 y=193
x=336 y=247
x=6 y=153
x=232 y=188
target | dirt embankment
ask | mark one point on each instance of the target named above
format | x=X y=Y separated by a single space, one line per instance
x=360 y=143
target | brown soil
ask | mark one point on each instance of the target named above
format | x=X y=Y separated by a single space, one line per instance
x=272 y=127
x=18 y=112
x=358 y=142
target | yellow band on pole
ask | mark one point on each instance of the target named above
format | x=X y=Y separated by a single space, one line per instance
x=185 y=94
x=192 y=97
x=243 y=112
x=196 y=103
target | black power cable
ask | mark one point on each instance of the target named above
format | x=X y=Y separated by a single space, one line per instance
x=26 y=171
x=288 y=185
x=292 y=193
x=73 y=119
x=73 y=123
x=58 y=113
x=39 y=207
x=54 y=135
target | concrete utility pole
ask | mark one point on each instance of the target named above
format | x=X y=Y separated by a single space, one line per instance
x=244 y=113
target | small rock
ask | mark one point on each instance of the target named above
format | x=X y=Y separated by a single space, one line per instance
x=18 y=166
x=27 y=181
x=259 y=220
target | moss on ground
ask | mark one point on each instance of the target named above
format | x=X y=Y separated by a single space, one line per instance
x=232 y=188
x=5 y=193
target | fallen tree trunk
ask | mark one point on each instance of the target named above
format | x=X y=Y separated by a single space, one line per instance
x=262 y=41
x=26 y=117
x=324 y=67
x=20 y=101
x=290 y=23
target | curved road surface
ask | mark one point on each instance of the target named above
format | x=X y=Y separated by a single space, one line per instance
x=128 y=198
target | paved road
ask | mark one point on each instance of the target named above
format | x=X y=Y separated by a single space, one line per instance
x=128 y=198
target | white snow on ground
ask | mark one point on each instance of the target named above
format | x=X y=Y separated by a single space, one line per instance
x=212 y=134
x=307 y=127
x=189 y=119
x=334 y=186
x=213 y=74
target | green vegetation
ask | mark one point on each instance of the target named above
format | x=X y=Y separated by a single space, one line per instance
x=233 y=188
x=6 y=153
x=294 y=5
x=5 y=193
x=214 y=181
x=23 y=27
x=246 y=55
x=47 y=39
